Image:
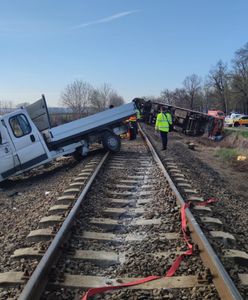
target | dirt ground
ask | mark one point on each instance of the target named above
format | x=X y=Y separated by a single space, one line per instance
x=212 y=178
x=233 y=175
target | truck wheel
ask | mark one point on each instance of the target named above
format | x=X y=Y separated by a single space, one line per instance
x=78 y=155
x=236 y=124
x=111 y=142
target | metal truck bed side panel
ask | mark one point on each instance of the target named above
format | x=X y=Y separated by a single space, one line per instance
x=90 y=123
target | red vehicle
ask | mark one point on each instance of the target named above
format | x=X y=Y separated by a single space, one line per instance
x=216 y=113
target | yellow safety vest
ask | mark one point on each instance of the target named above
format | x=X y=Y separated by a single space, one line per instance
x=138 y=114
x=163 y=121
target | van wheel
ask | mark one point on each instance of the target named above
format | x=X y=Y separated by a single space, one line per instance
x=111 y=142
x=236 y=124
x=77 y=155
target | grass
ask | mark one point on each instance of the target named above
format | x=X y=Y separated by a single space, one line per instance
x=233 y=145
x=227 y=154
x=229 y=157
x=239 y=131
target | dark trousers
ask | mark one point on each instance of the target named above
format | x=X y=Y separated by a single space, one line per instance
x=133 y=129
x=132 y=133
x=135 y=126
x=164 y=139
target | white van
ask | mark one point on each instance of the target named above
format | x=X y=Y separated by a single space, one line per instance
x=27 y=139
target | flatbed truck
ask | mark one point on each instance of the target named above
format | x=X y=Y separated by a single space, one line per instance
x=27 y=139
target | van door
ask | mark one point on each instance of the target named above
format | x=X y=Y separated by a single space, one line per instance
x=9 y=164
x=27 y=141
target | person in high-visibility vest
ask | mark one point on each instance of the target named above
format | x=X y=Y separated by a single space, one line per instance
x=133 y=128
x=163 y=123
x=138 y=114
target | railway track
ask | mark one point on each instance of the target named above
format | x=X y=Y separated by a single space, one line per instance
x=119 y=221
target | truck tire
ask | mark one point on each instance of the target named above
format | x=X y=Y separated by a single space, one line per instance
x=236 y=124
x=77 y=155
x=111 y=142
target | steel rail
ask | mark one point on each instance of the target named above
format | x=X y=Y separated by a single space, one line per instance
x=34 y=287
x=222 y=281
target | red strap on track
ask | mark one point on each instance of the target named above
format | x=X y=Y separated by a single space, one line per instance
x=170 y=272
x=94 y=291
x=204 y=203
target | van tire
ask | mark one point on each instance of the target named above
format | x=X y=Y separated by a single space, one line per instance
x=77 y=155
x=111 y=142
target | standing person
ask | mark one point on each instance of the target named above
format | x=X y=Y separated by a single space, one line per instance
x=163 y=123
x=133 y=127
x=147 y=110
x=138 y=118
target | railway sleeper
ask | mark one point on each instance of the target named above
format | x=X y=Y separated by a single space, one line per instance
x=39 y=235
x=112 y=224
x=226 y=238
x=86 y=282
x=116 y=212
x=130 y=237
x=212 y=223
x=113 y=202
x=104 y=258
x=50 y=221
x=237 y=257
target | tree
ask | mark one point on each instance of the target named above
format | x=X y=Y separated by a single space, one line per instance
x=240 y=77
x=6 y=106
x=77 y=96
x=104 y=96
x=100 y=97
x=115 y=99
x=206 y=97
x=166 y=96
x=180 y=98
x=192 y=86
x=219 y=81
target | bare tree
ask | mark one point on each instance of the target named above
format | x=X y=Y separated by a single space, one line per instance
x=219 y=80
x=6 y=106
x=166 y=96
x=180 y=98
x=104 y=96
x=77 y=96
x=192 y=86
x=240 y=77
x=115 y=99
x=206 y=96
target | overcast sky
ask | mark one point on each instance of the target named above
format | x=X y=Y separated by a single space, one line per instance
x=138 y=46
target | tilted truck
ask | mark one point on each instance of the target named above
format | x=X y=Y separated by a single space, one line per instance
x=27 y=139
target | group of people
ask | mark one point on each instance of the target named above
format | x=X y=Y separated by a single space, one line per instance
x=163 y=125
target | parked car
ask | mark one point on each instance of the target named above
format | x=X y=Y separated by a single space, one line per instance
x=241 y=121
x=230 y=118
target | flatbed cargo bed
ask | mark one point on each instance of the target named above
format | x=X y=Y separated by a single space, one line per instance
x=91 y=124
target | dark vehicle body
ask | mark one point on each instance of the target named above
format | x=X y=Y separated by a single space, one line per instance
x=188 y=121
